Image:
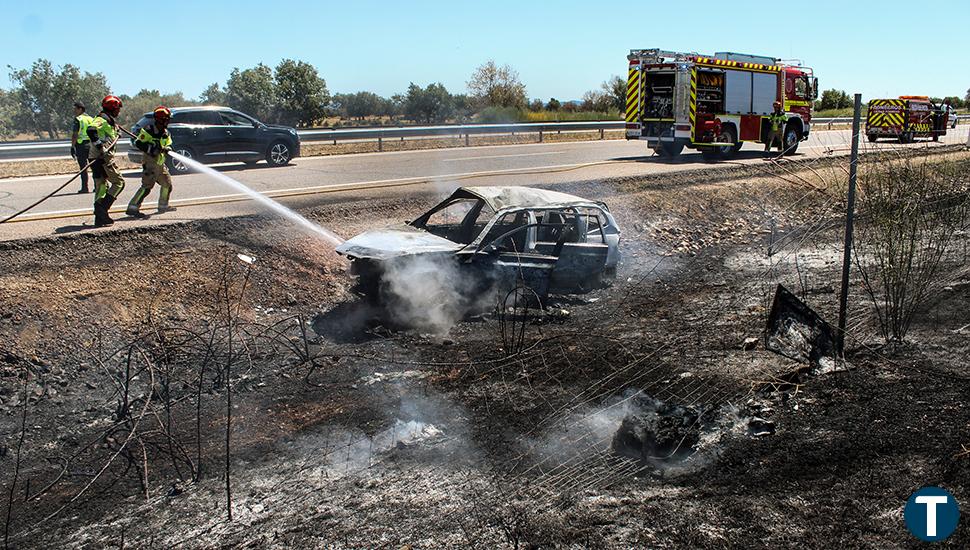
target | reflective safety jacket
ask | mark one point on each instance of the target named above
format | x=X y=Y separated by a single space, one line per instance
x=102 y=127
x=151 y=140
x=83 y=121
x=777 y=120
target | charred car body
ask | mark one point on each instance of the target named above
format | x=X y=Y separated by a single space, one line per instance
x=496 y=238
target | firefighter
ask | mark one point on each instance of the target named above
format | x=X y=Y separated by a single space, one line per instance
x=80 y=143
x=103 y=132
x=154 y=141
x=776 y=122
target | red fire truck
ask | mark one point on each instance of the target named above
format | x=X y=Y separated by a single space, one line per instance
x=906 y=118
x=714 y=103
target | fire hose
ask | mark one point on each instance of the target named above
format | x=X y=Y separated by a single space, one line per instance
x=54 y=192
x=66 y=183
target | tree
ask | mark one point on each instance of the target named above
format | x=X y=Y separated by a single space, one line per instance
x=966 y=98
x=615 y=89
x=252 y=91
x=213 y=95
x=361 y=105
x=301 y=95
x=596 y=101
x=44 y=97
x=431 y=104
x=834 y=99
x=553 y=104
x=535 y=105
x=8 y=108
x=145 y=101
x=955 y=101
x=494 y=86
x=463 y=107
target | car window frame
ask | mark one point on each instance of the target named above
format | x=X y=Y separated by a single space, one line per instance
x=223 y=122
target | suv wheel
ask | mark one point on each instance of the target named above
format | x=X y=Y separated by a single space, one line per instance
x=278 y=153
x=177 y=167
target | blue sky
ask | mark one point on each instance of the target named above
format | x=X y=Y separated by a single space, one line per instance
x=560 y=49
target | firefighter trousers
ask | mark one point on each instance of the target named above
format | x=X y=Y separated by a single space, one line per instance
x=105 y=171
x=153 y=173
x=774 y=136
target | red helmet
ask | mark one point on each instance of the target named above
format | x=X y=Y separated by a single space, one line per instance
x=162 y=114
x=111 y=104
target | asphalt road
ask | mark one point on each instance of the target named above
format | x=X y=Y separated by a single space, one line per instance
x=318 y=180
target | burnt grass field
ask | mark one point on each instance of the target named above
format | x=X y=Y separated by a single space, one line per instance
x=118 y=349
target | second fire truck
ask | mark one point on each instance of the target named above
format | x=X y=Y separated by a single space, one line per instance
x=714 y=103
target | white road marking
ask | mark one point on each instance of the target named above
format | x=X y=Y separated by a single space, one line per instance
x=504 y=156
x=351 y=185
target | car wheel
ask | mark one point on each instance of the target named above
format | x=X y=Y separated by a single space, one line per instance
x=177 y=167
x=790 y=139
x=279 y=154
x=872 y=138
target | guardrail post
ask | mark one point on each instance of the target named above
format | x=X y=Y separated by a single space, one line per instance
x=601 y=133
x=380 y=144
x=540 y=136
x=466 y=139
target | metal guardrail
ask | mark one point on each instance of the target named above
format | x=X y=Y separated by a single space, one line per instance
x=26 y=150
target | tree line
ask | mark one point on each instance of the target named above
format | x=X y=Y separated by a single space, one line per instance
x=839 y=99
x=292 y=93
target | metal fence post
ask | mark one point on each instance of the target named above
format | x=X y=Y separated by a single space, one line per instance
x=849 y=215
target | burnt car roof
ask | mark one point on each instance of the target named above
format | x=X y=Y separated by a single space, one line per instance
x=501 y=197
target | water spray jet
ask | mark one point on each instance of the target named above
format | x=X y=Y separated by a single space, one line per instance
x=297 y=219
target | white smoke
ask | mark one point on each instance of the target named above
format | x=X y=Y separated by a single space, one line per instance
x=433 y=293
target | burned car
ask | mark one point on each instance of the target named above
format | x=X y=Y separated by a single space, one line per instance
x=481 y=240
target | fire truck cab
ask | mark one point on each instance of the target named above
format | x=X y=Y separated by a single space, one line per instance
x=714 y=103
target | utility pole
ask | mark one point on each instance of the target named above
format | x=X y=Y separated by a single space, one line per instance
x=849 y=215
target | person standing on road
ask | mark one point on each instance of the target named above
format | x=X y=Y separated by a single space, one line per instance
x=80 y=143
x=154 y=142
x=776 y=121
x=103 y=132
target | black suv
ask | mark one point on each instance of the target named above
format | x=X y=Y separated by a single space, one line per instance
x=219 y=134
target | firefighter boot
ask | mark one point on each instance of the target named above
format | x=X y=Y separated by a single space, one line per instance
x=101 y=207
x=164 y=193
x=134 y=207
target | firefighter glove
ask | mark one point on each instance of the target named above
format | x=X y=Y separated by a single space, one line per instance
x=73 y=152
x=153 y=150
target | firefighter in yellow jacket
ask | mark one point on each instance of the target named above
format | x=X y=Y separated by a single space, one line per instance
x=103 y=131
x=154 y=142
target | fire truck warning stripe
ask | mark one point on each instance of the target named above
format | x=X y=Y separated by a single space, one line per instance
x=632 y=94
x=725 y=63
x=692 y=105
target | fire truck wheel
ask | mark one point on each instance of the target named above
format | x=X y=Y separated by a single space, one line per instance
x=728 y=136
x=872 y=138
x=671 y=150
x=906 y=137
x=791 y=139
